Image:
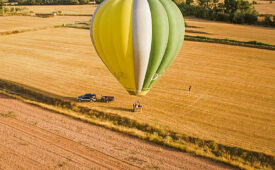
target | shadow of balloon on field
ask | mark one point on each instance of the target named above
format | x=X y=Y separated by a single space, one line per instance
x=118 y=108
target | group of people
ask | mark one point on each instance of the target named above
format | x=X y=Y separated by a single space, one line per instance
x=136 y=106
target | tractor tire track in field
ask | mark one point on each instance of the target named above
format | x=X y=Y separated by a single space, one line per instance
x=34 y=138
x=100 y=159
x=8 y=154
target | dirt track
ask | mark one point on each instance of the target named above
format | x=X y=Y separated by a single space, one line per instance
x=33 y=138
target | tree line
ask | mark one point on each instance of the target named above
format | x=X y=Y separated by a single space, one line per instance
x=50 y=2
x=234 y=11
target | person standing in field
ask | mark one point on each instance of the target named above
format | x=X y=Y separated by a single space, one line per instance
x=190 y=88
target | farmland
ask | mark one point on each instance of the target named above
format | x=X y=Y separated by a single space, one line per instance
x=232 y=97
x=265 y=7
x=46 y=140
x=66 y=9
x=12 y=23
x=231 y=31
x=216 y=106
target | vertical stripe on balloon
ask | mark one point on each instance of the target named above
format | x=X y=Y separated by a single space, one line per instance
x=142 y=39
x=160 y=27
x=112 y=35
x=176 y=36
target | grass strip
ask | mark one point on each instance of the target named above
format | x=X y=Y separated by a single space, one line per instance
x=22 y=31
x=79 y=27
x=234 y=156
x=253 y=44
x=88 y=15
x=196 y=32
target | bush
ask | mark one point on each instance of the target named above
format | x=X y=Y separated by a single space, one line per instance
x=73 y=2
x=250 y=18
x=98 y=1
x=187 y=9
x=22 y=2
x=83 y=1
x=267 y=21
x=223 y=17
x=238 y=18
x=179 y=1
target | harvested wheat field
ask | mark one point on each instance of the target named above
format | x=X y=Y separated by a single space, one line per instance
x=13 y=23
x=231 y=101
x=66 y=9
x=32 y=138
x=265 y=7
x=231 y=31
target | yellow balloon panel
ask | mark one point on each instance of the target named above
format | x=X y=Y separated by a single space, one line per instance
x=112 y=33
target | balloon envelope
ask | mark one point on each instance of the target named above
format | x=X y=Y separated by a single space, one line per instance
x=137 y=40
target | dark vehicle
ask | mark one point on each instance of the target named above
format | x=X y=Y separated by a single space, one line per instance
x=90 y=97
x=107 y=99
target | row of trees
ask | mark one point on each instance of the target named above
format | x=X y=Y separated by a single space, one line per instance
x=235 y=11
x=50 y=2
x=2 y=10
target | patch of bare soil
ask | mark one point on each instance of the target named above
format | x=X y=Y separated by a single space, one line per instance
x=33 y=138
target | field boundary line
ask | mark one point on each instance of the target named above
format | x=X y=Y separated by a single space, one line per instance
x=29 y=30
x=252 y=44
x=24 y=30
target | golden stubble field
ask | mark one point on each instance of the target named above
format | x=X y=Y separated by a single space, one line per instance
x=265 y=7
x=231 y=101
x=11 y=23
x=231 y=31
x=66 y=9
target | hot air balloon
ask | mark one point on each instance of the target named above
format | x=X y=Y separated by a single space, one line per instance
x=137 y=40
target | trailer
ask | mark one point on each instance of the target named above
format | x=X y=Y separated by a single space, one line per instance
x=107 y=99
